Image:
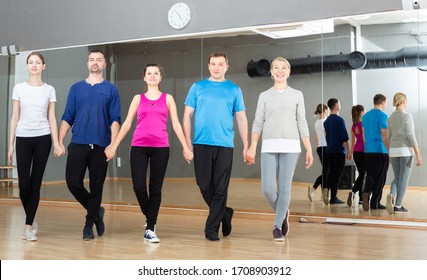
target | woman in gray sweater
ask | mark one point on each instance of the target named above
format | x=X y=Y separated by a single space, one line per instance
x=280 y=116
x=403 y=146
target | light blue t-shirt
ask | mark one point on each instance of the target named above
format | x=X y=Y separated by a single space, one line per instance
x=372 y=122
x=215 y=104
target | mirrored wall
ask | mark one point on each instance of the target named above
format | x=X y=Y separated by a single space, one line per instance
x=392 y=47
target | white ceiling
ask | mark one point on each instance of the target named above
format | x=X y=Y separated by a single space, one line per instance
x=386 y=18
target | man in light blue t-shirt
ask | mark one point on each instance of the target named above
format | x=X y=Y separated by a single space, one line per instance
x=374 y=125
x=214 y=103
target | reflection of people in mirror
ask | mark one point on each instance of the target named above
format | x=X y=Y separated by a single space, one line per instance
x=374 y=124
x=280 y=117
x=33 y=126
x=358 y=152
x=403 y=146
x=338 y=150
x=322 y=111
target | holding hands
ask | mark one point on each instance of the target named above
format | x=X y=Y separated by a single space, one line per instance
x=110 y=152
x=250 y=155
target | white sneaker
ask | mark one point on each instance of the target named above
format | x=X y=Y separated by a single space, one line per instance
x=28 y=235
x=390 y=203
x=151 y=236
x=35 y=228
x=310 y=193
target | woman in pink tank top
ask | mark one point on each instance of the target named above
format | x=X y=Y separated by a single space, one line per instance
x=358 y=149
x=150 y=145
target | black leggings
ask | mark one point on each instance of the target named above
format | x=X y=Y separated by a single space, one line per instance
x=359 y=159
x=149 y=200
x=323 y=157
x=32 y=154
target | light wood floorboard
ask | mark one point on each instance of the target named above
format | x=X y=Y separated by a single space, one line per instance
x=181 y=234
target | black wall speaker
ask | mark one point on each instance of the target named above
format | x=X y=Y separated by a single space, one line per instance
x=260 y=68
x=347 y=178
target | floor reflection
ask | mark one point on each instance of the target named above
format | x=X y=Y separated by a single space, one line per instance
x=244 y=195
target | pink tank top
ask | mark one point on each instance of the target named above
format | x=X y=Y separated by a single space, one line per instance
x=151 y=127
x=360 y=144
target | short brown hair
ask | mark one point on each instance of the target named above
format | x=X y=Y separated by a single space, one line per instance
x=379 y=98
x=218 y=54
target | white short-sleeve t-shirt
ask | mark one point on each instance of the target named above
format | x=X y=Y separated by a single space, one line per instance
x=34 y=102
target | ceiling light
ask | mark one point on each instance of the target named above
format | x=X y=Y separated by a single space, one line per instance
x=297 y=29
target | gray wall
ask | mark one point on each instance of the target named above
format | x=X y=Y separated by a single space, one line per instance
x=4 y=96
x=49 y=24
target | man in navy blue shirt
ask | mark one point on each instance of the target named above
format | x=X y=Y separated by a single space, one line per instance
x=93 y=114
x=336 y=139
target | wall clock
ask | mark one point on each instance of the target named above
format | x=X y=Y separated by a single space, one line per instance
x=179 y=15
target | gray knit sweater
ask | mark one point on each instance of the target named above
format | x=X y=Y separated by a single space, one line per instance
x=281 y=115
x=400 y=130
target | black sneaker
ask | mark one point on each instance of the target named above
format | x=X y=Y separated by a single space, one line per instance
x=400 y=210
x=226 y=221
x=379 y=207
x=278 y=235
x=212 y=236
x=88 y=234
x=285 y=224
x=336 y=200
x=99 y=224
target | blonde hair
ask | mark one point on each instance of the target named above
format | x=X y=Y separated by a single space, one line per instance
x=279 y=58
x=398 y=99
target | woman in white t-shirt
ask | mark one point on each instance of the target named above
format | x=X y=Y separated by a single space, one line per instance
x=322 y=111
x=33 y=127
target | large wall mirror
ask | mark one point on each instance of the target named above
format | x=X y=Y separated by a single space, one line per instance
x=392 y=57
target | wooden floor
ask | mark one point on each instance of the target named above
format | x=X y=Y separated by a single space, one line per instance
x=181 y=234
x=314 y=232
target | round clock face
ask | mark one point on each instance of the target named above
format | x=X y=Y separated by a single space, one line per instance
x=179 y=15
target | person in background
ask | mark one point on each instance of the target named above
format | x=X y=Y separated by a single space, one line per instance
x=357 y=149
x=403 y=146
x=280 y=117
x=374 y=124
x=33 y=126
x=322 y=111
x=93 y=112
x=150 y=145
x=214 y=103
x=337 y=149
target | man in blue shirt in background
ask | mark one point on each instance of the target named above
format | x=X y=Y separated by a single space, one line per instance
x=93 y=113
x=374 y=125
x=338 y=150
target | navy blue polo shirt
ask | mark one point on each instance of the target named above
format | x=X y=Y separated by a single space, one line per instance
x=336 y=134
